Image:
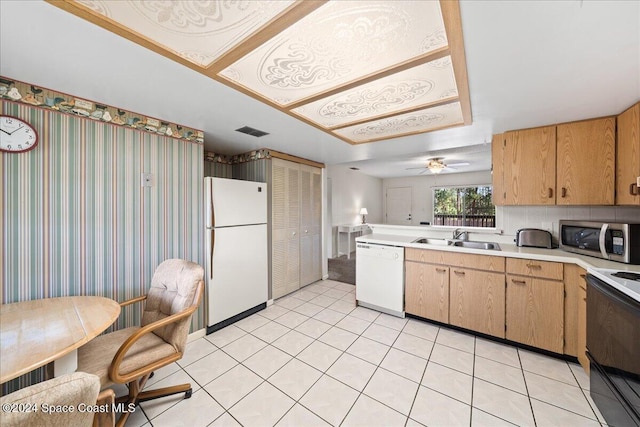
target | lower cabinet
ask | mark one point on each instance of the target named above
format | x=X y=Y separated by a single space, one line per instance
x=477 y=301
x=427 y=291
x=582 y=328
x=538 y=303
x=535 y=312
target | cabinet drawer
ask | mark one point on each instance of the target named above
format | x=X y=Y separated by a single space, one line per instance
x=535 y=268
x=476 y=262
x=423 y=255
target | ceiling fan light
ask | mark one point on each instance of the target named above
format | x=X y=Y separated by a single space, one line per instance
x=436 y=170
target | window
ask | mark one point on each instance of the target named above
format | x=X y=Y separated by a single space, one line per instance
x=464 y=206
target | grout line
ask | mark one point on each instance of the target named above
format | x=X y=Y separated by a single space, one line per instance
x=378 y=366
x=473 y=378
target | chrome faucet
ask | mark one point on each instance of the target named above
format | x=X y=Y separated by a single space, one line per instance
x=460 y=235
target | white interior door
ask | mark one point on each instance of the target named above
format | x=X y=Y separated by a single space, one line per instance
x=398 y=202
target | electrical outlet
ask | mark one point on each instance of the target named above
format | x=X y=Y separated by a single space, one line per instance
x=146 y=179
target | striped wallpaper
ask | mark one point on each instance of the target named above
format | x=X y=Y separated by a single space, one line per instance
x=75 y=219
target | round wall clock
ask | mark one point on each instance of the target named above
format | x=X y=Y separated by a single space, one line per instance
x=16 y=135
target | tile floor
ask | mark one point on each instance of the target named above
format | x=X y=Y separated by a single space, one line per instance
x=314 y=359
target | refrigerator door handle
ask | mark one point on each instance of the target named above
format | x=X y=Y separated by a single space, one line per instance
x=213 y=240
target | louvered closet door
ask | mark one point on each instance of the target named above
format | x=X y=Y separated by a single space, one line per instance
x=306 y=223
x=278 y=230
x=285 y=227
x=316 y=200
x=293 y=228
x=310 y=224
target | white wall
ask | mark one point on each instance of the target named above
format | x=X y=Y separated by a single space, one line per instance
x=422 y=194
x=347 y=192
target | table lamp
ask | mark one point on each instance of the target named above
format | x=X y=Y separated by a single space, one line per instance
x=363 y=212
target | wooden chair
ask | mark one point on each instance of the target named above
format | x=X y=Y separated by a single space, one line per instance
x=78 y=391
x=129 y=356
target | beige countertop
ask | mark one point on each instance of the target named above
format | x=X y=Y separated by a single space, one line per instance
x=508 y=250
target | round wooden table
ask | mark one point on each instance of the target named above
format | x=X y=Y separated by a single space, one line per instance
x=35 y=333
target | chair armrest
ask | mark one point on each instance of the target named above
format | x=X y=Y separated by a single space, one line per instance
x=124 y=348
x=133 y=300
x=108 y=418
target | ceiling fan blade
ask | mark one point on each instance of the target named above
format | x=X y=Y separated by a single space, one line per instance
x=425 y=170
x=421 y=167
x=458 y=164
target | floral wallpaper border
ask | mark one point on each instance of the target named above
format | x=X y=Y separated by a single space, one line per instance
x=27 y=93
x=251 y=156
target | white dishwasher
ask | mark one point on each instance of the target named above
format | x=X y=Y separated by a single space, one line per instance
x=380 y=277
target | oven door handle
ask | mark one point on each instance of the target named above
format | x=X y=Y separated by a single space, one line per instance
x=603 y=234
x=616 y=296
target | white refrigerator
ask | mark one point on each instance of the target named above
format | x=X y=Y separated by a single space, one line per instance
x=236 y=249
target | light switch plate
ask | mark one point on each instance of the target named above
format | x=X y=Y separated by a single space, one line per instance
x=146 y=179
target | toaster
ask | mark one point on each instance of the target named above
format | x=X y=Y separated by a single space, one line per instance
x=534 y=237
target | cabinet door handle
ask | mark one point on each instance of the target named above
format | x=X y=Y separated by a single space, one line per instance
x=534 y=266
x=550 y=192
x=441 y=270
x=519 y=282
x=584 y=276
x=293 y=234
x=306 y=231
x=633 y=189
x=459 y=273
x=564 y=192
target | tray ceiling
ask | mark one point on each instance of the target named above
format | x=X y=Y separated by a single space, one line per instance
x=360 y=71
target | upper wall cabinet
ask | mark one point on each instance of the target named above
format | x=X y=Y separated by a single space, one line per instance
x=586 y=162
x=530 y=166
x=567 y=164
x=628 y=157
x=497 y=169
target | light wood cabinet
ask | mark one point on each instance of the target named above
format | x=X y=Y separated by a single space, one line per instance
x=498 y=193
x=427 y=291
x=572 y=280
x=575 y=313
x=628 y=157
x=530 y=166
x=477 y=301
x=464 y=290
x=567 y=164
x=476 y=262
x=586 y=162
x=582 y=327
x=535 y=268
x=535 y=306
x=295 y=226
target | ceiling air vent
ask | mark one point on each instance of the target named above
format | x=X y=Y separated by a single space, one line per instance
x=355 y=169
x=251 y=131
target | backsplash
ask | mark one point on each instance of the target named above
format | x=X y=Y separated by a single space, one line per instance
x=512 y=218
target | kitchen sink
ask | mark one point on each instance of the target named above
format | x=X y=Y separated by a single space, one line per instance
x=441 y=242
x=477 y=245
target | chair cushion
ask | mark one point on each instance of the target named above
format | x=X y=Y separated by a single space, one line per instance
x=173 y=289
x=96 y=356
x=71 y=389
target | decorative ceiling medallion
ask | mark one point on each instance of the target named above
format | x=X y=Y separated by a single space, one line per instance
x=339 y=43
x=405 y=124
x=418 y=86
x=359 y=70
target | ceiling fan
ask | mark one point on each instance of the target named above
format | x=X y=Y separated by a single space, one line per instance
x=437 y=165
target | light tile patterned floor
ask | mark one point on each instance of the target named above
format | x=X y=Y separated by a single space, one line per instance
x=314 y=359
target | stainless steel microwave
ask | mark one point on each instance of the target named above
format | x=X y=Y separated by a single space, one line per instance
x=609 y=240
